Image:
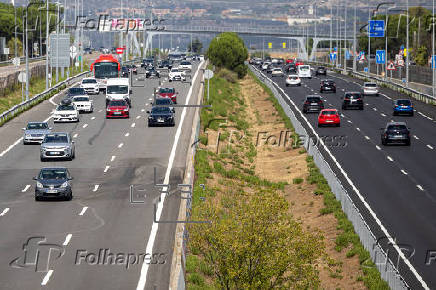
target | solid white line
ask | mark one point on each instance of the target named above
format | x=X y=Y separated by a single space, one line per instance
x=85 y=125
x=367 y=138
x=416 y=137
x=106 y=168
x=113 y=158
x=92 y=118
x=83 y=210
x=133 y=125
x=5 y=211
x=404 y=172
x=138 y=117
x=11 y=146
x=420 y=187
x=390 y=159
x=155 y=226
x=96 y=186
x=26 y=188
x=47 y=277
x=127 y=134
x=67 y=240
x=431 y=147
x=383 y=115
x=120 y=145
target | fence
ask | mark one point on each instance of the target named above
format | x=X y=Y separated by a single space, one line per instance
x=387 y=269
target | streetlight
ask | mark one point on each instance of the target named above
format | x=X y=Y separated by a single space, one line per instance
x=432 y=52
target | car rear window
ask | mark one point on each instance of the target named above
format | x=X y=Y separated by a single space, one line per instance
x=329 y=112
x=37 y=126
x=81 y=99
x=353 y=96
x=53 y=138
x=371 y=85
x=404 y=102
x=167 y=90
x=313 y=99
x=76 y=91
x=118 y=103
x=397 y=127
x=89 y=81
x=162 y=101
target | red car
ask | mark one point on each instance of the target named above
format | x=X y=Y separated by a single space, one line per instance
x=329 y=117
x=117 y=109
x=168 y=93
x=290 y=60
x=298 y=62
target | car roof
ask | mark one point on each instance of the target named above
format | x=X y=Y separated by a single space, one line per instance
x=329 y=110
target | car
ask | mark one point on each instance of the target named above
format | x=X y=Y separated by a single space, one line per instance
x=185 y=65
x=57 y=145
x=90 y=85
x=352 y=100
x=290 y=68
x=293 y=80
x=304 y=71
x=321 y=71
x=161 y=116
x=370 y=88
x=125 y=72
x=83 y=104
x=313 y=103
x=152 y=72
x=165 y=64
x=395 y=132
x=329 y=117
x=53 y=183
x=132 y=68
x=164 y=102
x=168 y=93
x=87 y=50
x=298 y=63
x=117 y=109
x=257 y=61
x=403 y=107
x=35 y=132
x=270 y=68
x=147 y=61
x=327 y=86
x=277 y=72
x=76 y=91
x=289 y=60
x=66 y=112
x=176 y=74
x=265 y=65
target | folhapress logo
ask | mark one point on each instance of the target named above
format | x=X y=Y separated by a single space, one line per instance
x=38 y=254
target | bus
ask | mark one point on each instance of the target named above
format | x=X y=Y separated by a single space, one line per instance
x=105 y=67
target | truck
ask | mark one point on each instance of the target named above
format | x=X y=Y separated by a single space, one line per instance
x=118 y=89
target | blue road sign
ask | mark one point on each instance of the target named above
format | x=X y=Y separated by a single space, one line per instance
x=365 y=69
x=335 y=49
x=347 y=54
x=332 y=56
x=402 y=47
x=376 y=28
x=433 y=62
x=380 y=57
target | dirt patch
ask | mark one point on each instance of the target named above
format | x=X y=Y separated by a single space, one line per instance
x=277 y=161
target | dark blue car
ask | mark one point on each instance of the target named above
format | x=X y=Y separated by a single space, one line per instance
x=403 y=106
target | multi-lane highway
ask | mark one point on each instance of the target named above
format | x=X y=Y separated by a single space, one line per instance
x=101 y=220
x=397 y=181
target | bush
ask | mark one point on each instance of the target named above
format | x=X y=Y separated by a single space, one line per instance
x=241 y=70
x=228 y=75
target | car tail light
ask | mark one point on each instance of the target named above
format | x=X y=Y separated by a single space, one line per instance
x=307 y=102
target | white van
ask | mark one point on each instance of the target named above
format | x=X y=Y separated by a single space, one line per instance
x=118 y=89
x=304 y=71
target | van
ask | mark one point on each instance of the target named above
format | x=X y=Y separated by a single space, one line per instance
x=304 y=71
x=118 y=89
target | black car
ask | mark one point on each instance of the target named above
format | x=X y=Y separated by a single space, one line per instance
x=313 y=103
x=132 y=68
x=146 y=62
x=152 y=72
x=290 y=69
x=395 y=133
x=164 y=102
x=321 y=71
x=327 y=86
x=125 y=72
x=165 y=64
x=352 y=100
x=53 y=183
x=72 y=92
x=161 y=116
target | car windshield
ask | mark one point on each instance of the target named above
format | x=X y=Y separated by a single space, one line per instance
x=293 y=77
x=303 y=67
x=76 y=91
x=89 y=81
x=81 y=99
x=167 y=90
x=56 y=138
x=174 y=70
x=397 y=127
x=313 y=99
x=404 y=103
x=37 y=126
x=371 y=85
x=117 y=89
x=277 y=69
x=45 y=174
x=106 y=70
x=185 y=63
x=329 y=112
x=353 y=96
x=118 y=103
x=65 y=108
x=321 y=68
x=160 y=110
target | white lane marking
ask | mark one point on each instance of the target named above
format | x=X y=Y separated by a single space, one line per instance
x=83 y=210
x=127 y=134
x=150 y=99
x=75 y=135
x=142 y=110
x=155 y=226
x=342 y=115
x=47 y=277
x=96 y=186
x=375 y=109
x=389 y=98
x=85 y=125
x=422 y=114
x=378 y=147
x=404 y=172
x=11 y=146
x=133 y=125
x=100 y=111
x=367 y=138
x=343 y=90
x=106 y=168
x=358 y=129
x=113 y=158
x=120 y=145
x=26 y=188
x=138 y=117
x=5 y=211
x=46 y=120
x=92 y=118
x=431 y=147
x=383 y=115
x=366 y=104
x=416 y=137
x=420 y=187
x=390 y=159
x=349 y=121
x=67 y=240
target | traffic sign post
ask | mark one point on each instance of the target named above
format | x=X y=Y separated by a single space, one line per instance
x=120 y=50
x=433 y=62
x=208 y=74
x=376 y=28
x=391 y=66
x=380 y=57
x=332 y=57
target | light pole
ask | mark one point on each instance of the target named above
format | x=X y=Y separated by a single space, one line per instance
x=331 y=26
x=407 y=45
x=345 y=38
x=432 y=51
x=47 y=24
x=355 y=40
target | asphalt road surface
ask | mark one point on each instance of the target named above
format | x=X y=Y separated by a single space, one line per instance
x=100 y=238
x=398 y=182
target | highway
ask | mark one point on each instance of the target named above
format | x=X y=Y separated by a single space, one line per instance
x=111 y=155
x=398 y=182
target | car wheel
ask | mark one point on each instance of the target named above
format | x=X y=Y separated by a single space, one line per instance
x=42 y=159
x=287 y=85
x=338 y=125
x=37 y=198
x=344 y=108
x=361 y=108
x=69 y=197
x=25 y=143
x=394 y=113
x=408 y=142
x=383 y=142
x=411 y=114
x=319 y=125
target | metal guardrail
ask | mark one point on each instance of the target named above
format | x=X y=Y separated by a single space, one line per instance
x=12 y=112
x=387 y=269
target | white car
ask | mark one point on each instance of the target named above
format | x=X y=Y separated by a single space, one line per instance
x=293 y=80
x=265 y=65
x=186 y=65
x=277 y=72
x=304 y=71
x=90 y=85
x=370 y=89
x=66 y=112
x=176 y=75
x=83 y=104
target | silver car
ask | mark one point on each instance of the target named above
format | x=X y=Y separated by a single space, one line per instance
x=35 y=132
x=58 y=145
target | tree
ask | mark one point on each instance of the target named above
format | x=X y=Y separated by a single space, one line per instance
x=197 y=46
x=228 y=50
x=11 y=45
x=253 y=243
